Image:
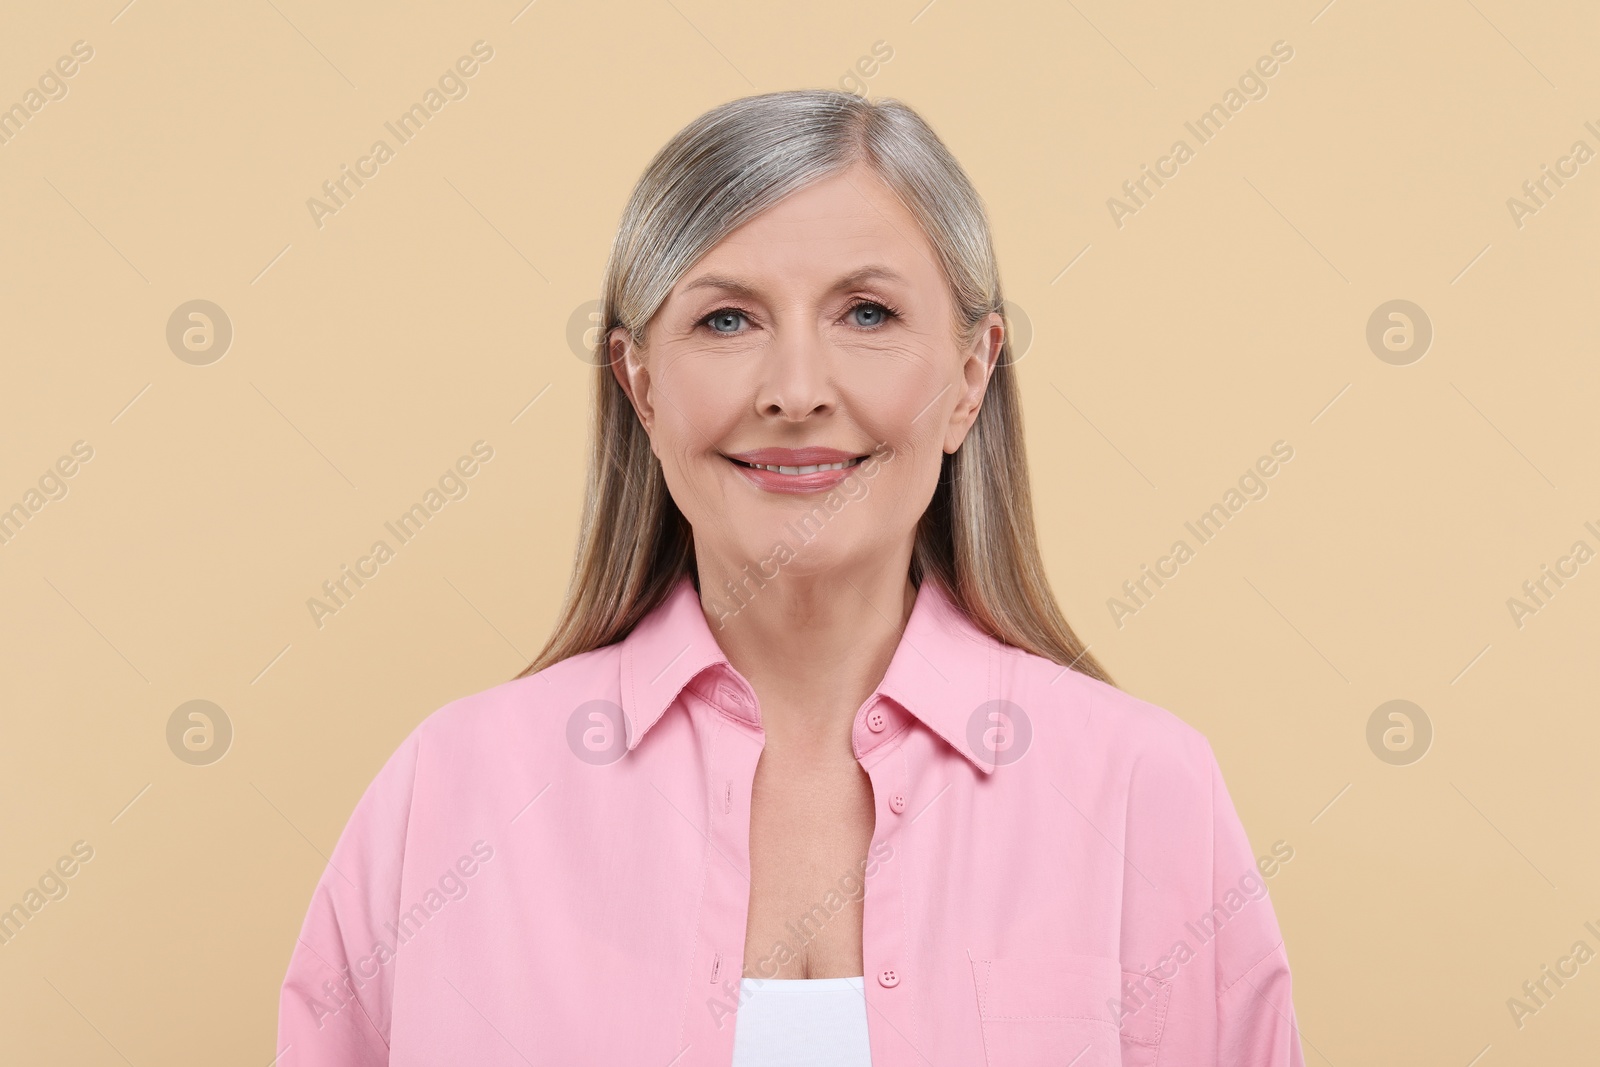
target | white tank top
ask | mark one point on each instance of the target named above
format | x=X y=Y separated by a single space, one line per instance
x=801 y=1022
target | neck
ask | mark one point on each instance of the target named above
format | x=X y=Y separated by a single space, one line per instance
x=813 y=646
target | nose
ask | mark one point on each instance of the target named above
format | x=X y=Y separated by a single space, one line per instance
x=797 y=378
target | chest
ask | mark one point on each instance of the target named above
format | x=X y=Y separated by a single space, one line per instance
x=811 y=825
x=1002 y=914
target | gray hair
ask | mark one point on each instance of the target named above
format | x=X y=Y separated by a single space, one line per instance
x=737 y=160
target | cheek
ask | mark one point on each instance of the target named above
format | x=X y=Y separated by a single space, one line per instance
x=905 y=412
x=680 y=446
x=697 y=407
x=907 y=418
x=696 y=401
x=908 y=482
x=900 y=482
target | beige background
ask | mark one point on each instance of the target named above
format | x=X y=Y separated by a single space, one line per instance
x=434 y=308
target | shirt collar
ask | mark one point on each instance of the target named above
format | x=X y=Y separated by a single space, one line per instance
x=944 y=670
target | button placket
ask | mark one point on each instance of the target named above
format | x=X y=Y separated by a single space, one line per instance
x=713 y=994
x=886 y=941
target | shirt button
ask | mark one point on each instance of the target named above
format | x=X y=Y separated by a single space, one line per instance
x=876 y=721
x=897 y=803
x=888 y=978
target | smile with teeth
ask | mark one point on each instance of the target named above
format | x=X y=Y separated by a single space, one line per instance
x=808 y=469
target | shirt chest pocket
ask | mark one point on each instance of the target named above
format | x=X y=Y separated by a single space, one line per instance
x=1058 y=1010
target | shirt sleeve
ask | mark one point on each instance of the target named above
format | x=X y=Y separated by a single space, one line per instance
x=1255 y=1009
x=336 y=1003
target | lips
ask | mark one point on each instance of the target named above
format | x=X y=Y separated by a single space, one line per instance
x=794 y=460
x=796 y=470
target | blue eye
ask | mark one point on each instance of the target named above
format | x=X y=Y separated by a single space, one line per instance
x=883 y=314
x=877 y=314
x=722 y=315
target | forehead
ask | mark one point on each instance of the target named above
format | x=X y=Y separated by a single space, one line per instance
x=818 y=235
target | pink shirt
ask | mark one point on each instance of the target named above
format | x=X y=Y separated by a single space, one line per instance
x=556 y=871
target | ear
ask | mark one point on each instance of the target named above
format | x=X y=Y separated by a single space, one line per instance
x=631 y=372
x=977 y=365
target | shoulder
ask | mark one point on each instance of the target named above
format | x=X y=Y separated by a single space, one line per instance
x=458 y=763
x=496 y=719
x=1084 y=718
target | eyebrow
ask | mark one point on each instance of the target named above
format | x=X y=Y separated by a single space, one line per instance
x=739 y=288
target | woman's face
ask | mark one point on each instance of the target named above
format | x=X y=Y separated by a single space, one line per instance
x=820 y=333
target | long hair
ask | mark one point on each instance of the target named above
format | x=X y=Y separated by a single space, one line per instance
x=977 y=536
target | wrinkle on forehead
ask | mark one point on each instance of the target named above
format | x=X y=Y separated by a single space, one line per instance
x=833 y=211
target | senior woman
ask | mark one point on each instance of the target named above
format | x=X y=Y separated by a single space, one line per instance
x=812 y=770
